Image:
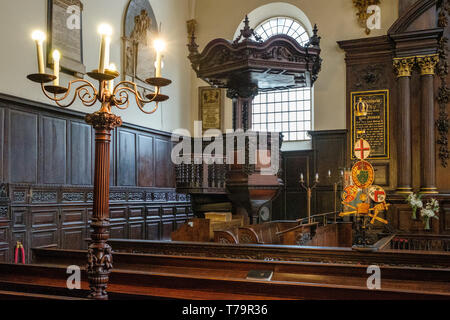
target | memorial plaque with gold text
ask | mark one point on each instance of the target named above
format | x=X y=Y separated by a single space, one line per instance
x=373 y=127
x=211 y=105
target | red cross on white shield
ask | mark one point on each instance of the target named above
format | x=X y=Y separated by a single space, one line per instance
x=362 y=149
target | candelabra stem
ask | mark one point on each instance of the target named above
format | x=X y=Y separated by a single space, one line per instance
x=309 y=194
x=99 y=252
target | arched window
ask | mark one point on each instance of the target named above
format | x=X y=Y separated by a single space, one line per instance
x=283 y=25
x=286 y=111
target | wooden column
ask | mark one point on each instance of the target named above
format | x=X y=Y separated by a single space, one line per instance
x=403 y=67
x=99 y=252
x=242 y=97
x=427 y=66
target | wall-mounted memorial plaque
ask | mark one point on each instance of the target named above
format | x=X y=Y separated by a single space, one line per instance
x=139 y=31
x=374 y=126
x=65 y=34
x=211 y=108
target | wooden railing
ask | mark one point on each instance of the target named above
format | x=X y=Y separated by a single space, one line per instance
x=322 y=218
x=201 y=178
x=420 y=242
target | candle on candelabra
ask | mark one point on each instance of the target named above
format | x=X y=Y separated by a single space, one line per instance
x=39 y=37
x=301 y=178
x=105 y=31
x=159 y=46
x=329 y=173
x=56 y=57
x=112 y=67
x=317 y=177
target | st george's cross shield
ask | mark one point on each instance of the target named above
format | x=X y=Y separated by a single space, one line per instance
x=362 y=149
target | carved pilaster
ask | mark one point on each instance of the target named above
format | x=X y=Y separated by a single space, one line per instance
x=404 y=66
x=99 y=252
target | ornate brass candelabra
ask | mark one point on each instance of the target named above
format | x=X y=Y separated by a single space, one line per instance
x=309 y=188
x=103 y=121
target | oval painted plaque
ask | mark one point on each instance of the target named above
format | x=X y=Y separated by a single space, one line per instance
x=362 y=174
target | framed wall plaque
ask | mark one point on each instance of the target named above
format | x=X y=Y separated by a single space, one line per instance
x=64 y=33
x=374 y=127
x=211 y=102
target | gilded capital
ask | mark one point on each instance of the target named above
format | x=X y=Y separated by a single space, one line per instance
x=427 y=64
x=404 y=66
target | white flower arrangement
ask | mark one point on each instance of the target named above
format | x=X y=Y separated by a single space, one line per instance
x=415 y=201
x=430 y=211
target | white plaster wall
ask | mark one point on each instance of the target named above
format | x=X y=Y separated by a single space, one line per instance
x=336 y=20
x=18 y=58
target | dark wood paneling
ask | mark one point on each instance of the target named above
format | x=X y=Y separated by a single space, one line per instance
x=2 y=141
x=44 y=238
x=146 y=169
x=118 y=231
x=126 y=154
x=46 y=160
x=53 y=150
x=136 y=230
x=72 y=238
x=165 y=170
x=23 y=147
x=80 y=153
x=153 y=230
x=167 y=228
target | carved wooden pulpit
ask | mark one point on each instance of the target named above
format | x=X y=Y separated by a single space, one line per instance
x=246 y=67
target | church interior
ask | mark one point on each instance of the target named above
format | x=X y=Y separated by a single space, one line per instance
x=224 y=150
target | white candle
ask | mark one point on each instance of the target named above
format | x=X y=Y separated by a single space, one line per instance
x=56 y=57
x=317 y=177
x=106 y=32
x=159 y=46
x=39 y=37
x=301 y=177
x=192 y=11
x=112 y=67
x=329 y=173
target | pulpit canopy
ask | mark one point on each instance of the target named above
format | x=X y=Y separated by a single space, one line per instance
x=248 y=65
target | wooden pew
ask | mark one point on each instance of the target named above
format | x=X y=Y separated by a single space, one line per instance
x=289 y=233
x=175 y=276
x=339 y=255
x=203 y=230
x=265 y=233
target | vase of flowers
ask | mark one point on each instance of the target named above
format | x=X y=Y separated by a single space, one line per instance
x=415 y=201
x=429 y=212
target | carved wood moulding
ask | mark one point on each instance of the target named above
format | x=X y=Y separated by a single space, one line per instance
x=363 y=14
x=444 y=92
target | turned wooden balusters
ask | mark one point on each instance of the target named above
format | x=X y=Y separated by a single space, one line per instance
x=99 y=252
x=427 y=66
x=403 y=67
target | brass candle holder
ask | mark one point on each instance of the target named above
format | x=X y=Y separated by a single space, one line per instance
x=336 y=186
x=103 y=121
x=309 y=188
